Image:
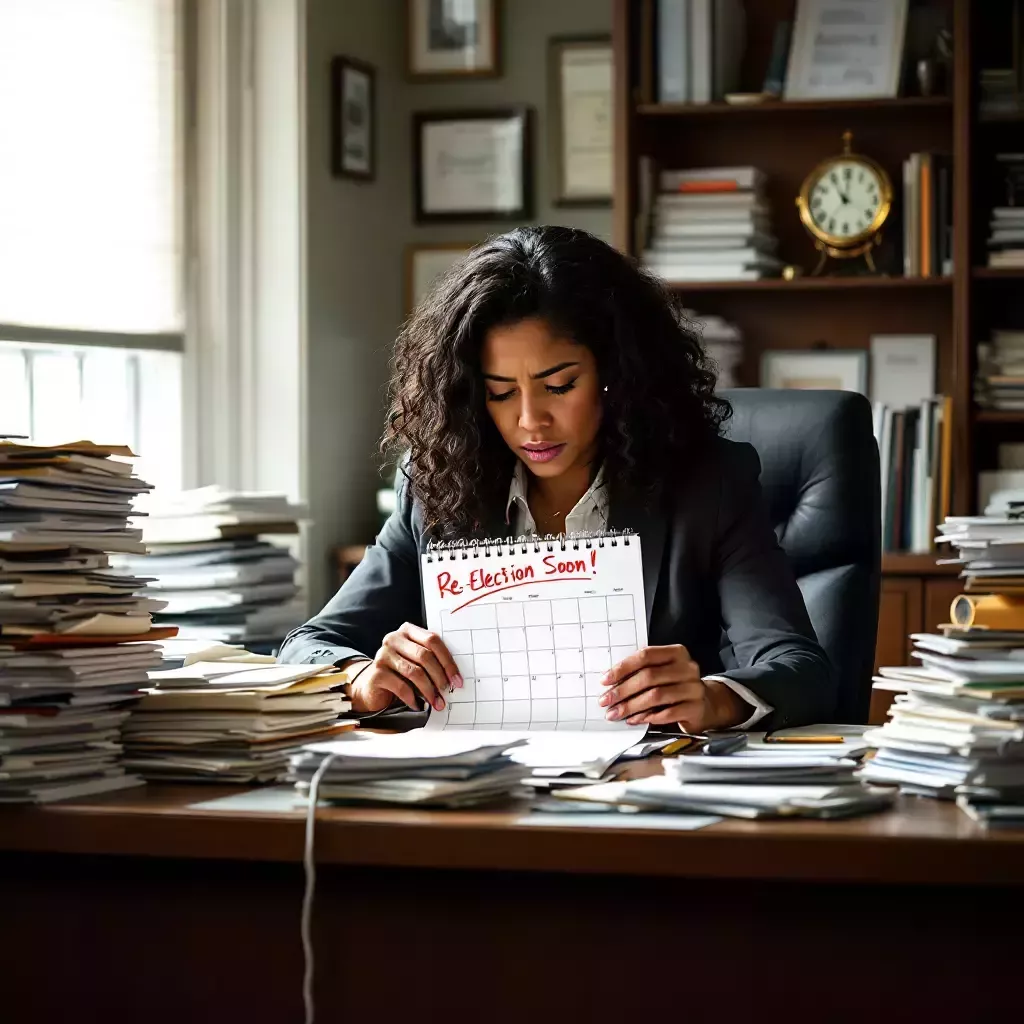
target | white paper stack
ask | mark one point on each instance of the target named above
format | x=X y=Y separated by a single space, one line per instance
x=711 y=224
x=764 y=780
x=75 y=635
x=221 y=579
x=422 y=768
x=232 y=717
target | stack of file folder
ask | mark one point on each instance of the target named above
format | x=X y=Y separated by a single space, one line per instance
x=76 y=641
x=221 y=578
x=424 y=769
x=237 y=717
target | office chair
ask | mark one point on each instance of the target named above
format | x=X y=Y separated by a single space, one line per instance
x=820 y=477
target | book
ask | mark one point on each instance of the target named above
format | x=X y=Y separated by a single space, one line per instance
x=775 y=75
x=673 y=40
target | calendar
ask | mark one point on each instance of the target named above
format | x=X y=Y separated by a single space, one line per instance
x=533 y=626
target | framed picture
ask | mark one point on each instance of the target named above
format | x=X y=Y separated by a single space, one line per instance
x=902 y=369
x=473 y=165
x=838 y=370
x=453 y=38
x=580 y=118
x=844 y=50
x=424 y=264
x=353 y=128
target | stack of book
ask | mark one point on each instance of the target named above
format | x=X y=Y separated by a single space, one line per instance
x=425 y=769
x=233 y=717
x=915 y=448
x=1000 y=92
x=1006 y=242
x=75 y=636
x=999 y=382
x=700 y=47
x=956 y=728
x=222 y=579
x=711 y=224
x=723 y=342
x=928 y=215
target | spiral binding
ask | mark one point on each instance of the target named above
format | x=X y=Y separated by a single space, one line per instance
x=523 y=544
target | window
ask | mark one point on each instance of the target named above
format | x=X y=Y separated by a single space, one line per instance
x=91 y=282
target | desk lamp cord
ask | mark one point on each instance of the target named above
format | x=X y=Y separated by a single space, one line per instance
x=309 y=863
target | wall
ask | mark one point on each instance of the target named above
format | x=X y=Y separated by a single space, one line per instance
x=527 y=27
x=357 y=234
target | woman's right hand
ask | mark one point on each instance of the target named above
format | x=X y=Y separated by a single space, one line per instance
x=411 y=662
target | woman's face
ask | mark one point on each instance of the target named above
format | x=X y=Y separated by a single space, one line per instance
x=543 y=396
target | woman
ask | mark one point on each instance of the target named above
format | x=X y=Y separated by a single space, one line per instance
x=548 y=386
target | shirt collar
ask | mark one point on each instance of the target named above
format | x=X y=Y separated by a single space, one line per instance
x=596 y=494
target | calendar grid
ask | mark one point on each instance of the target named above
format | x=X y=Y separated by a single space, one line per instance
x=535 y=664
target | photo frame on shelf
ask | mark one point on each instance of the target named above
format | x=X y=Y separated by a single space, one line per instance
x=580 y=118
x=453 y=38
x=425 y=264
x=903 y=369
x=353 y=119
x=816 y=370
x=843 y=51
x=473 y=165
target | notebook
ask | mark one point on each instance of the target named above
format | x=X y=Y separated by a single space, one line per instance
x=533 y=625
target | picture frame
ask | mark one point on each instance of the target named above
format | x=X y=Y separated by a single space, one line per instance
x=353 y=119
x=816 y=369
x=580 y=117
x=425 y=263
x=903 y=369
x=834 y=58
x=453 y=39
x=473 y=165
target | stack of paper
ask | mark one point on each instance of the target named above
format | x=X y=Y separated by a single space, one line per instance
x=220 y=579
x=435 y=769
x=70 y=661
x=712 y=224
x=769 y=780
x=235 y=717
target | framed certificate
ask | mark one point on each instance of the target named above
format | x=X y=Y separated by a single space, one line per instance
x=472 y=165
x=424 y=264
x=844 y=50
x=580 y=106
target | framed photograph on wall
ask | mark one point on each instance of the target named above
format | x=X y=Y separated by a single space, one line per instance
x=844 y=51
x=818 y=370
x=353 y=113
x=473 y=165
x=580 y=119
x=453 y=38
x=424 y=264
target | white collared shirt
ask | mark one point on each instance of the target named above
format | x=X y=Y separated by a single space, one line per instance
x=590 y=513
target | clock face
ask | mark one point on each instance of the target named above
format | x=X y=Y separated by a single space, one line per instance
x=844 y=200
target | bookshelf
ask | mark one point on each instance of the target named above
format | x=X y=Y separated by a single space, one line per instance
x=785 y=140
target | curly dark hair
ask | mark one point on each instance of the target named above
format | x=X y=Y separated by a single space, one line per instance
x=659 y=402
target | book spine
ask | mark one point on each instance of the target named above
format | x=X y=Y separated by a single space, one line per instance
x=895 y=506
x=915 y=217
x=775 y=76
x=673 y=56
x=884 y=459
x=648 y=33
x=906 y=525
x=926 y=215
x=700 y=51
x=947 y=456
x=935 y=481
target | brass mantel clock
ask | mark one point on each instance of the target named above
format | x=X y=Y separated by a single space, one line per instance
x=843 y=203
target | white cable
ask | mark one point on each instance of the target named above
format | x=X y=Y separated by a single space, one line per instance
x=309 y=863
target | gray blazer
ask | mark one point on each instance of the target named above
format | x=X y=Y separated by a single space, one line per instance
x=715 y=580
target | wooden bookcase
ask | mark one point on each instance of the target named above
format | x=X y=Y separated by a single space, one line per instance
x=786 y=140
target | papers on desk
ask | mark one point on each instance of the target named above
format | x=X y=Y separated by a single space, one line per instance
x=232 y=718
x=209 y=561
x=70 y=666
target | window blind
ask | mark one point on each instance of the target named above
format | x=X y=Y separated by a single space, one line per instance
x=90 y=216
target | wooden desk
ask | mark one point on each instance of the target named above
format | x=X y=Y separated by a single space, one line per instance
x=134 y=907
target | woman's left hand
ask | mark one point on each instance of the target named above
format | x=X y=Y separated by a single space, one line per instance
x=662 y=686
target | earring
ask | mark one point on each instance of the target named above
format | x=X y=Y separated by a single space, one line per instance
x=606 y=387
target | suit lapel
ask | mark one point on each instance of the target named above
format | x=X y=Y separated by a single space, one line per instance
x=646 y=519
